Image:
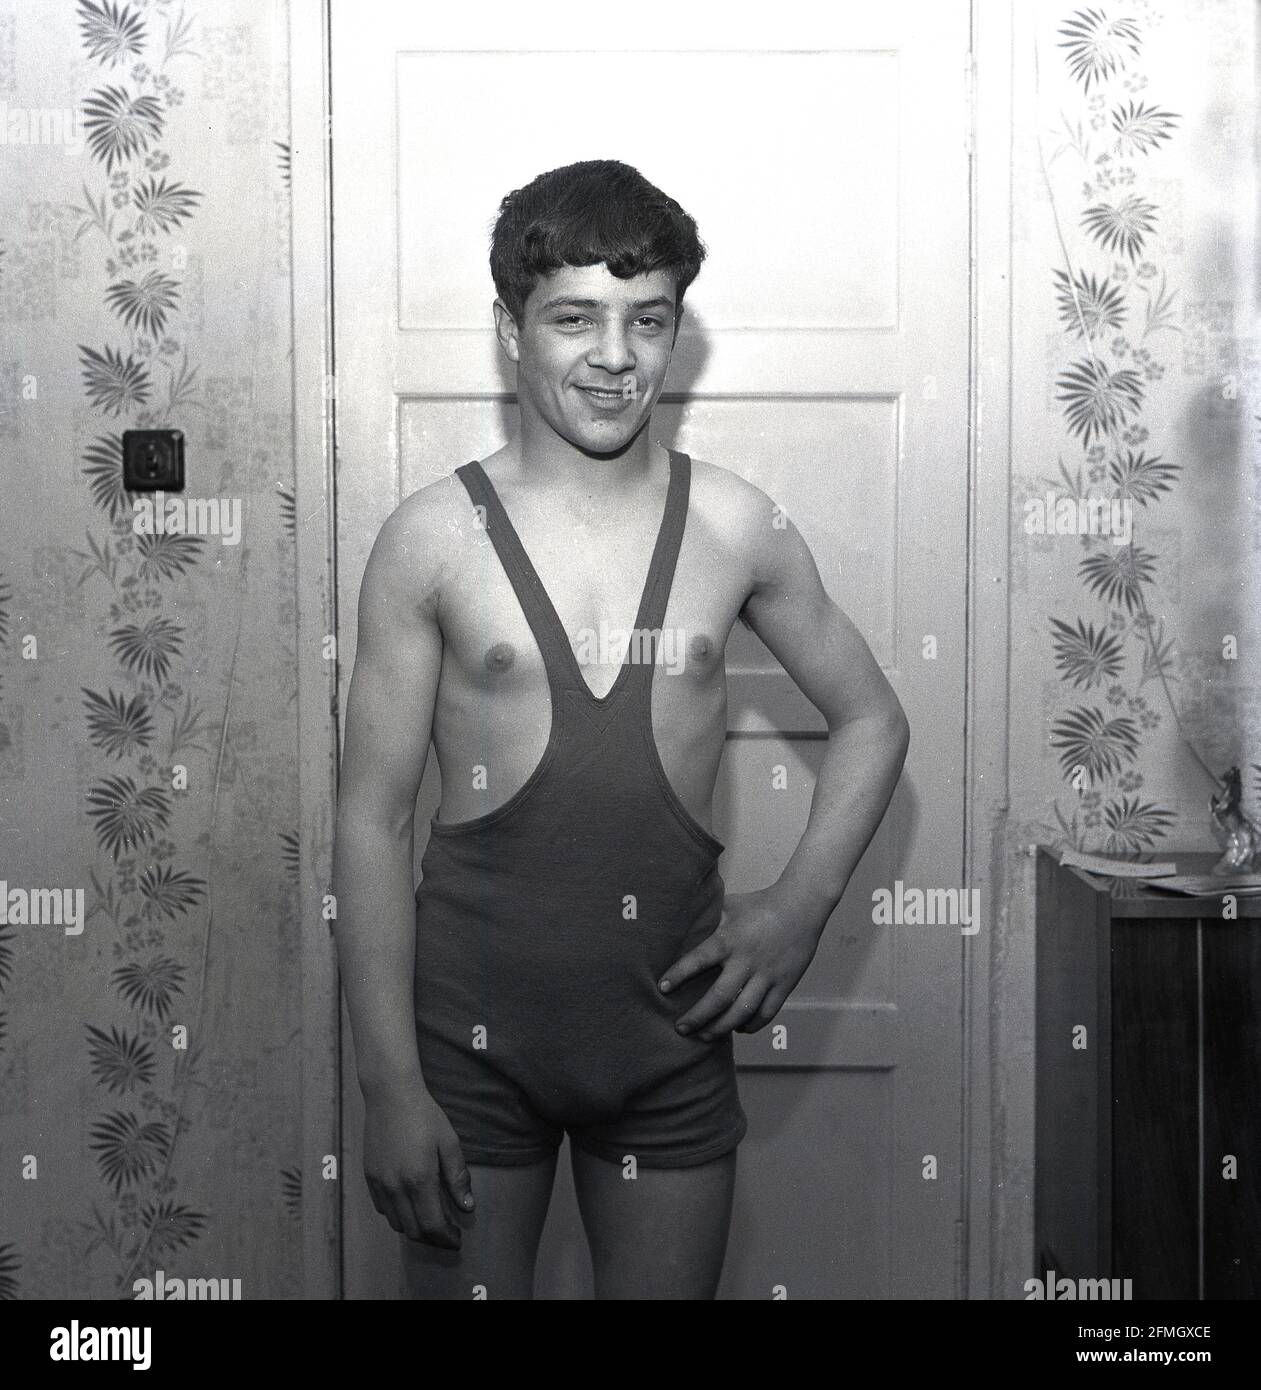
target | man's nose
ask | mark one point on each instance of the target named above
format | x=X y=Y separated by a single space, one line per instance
x=612 y=350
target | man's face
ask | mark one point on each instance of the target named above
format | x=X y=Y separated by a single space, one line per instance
x=592 y=352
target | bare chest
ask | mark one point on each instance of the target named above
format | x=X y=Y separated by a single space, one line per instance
x=594 y=584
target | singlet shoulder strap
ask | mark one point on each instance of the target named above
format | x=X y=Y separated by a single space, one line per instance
x=526 y=584
x=656 y=595
x=665 y=557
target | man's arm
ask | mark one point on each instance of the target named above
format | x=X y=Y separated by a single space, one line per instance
x=408 y=1144
x=868 y=732
x=768 y=938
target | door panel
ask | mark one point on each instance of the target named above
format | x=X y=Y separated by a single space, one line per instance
x=823 y=355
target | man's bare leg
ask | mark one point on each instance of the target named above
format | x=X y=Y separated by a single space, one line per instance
x=660 y=1234
x=500 y=1238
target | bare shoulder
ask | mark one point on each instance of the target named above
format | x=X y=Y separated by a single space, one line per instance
x=750 y=523
x=725 y=498
x=419 y=544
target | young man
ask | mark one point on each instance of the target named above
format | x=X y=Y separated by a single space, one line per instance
x=572 y=964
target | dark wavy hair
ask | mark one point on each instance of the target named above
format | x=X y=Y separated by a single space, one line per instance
x=599 y=210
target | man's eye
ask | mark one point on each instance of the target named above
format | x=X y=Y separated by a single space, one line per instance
x=571 y=319
x=649 y=321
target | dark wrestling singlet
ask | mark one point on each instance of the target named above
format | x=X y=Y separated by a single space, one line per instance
x=544 y=926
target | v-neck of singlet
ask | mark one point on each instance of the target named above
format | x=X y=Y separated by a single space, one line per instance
x=641 y=614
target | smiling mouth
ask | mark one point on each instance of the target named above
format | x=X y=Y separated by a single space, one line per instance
x=604 y=393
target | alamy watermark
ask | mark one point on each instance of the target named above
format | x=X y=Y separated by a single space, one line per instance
x=42 y=125
x=164 y=1289
x=42 y=907
x=608 y=646
x=1065 y=1289
x=76 y=1343
x=901 y=906
x=161 y=515
x=1080 y=516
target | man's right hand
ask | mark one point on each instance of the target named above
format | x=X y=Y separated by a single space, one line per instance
x=414 y=1166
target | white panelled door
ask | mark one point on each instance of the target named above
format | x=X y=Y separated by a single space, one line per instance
x=824 y=355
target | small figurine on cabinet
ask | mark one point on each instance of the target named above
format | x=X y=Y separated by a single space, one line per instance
x=1239 y=838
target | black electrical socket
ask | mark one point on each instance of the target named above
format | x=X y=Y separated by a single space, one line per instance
x=153 y=460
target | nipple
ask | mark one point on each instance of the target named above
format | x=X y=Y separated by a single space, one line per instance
x=500 y=657
x=701 y=648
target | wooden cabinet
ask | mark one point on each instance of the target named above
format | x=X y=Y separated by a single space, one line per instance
x=1148 y=1086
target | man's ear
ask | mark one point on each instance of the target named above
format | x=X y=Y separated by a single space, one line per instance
x=506 y=330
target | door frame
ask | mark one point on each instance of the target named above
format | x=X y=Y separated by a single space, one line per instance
x=987 y=620
x=315 y=511
x=986 y=625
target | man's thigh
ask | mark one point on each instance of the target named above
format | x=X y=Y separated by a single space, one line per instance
x=660 y=1234
x=500 y=1238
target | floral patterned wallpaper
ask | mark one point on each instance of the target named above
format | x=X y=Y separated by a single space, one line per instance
x=1135 y=627
x=150 y=1062
x=1124 y=365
